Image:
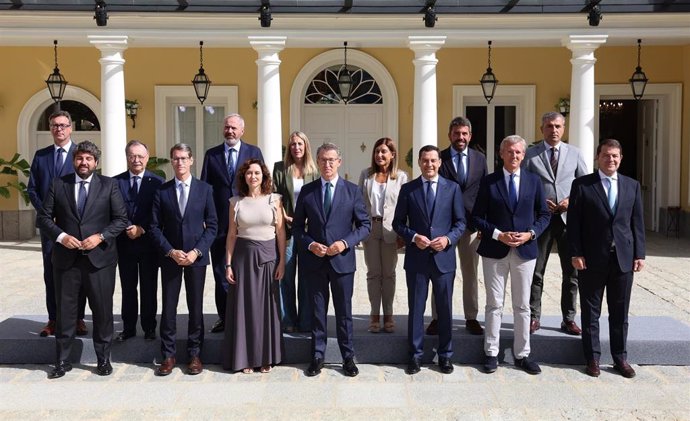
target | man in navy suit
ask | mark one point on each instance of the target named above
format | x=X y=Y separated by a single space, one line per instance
x=430 y=217
x=510 y=212
x=607 y=243
x=83 y=213
x=220 y=166
x=466 y=167
x=137 y=254
x=183 y=227
x=52 y=162
x=330 y=219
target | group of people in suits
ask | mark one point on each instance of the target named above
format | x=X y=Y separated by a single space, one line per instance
x=90 y=223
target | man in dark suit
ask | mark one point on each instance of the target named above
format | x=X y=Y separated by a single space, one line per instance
x=183 y=227
x=466 y=167
x=607 y=243
x=330 y=219
x=52 y=162
x=511 y=213
x=83 y=214
x=557 y=164
x=430 y=217
x=220 y=166
x=137 y=254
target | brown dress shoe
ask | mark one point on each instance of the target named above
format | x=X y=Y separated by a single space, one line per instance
x=534 y=325
x=48 y=329
x=166 y=367
x=474 y=327
x=194 y=367
x=571 y=328
x=592 y=368
x=81 y=328
x=625 y=370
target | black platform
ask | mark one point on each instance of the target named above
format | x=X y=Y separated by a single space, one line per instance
x=651 y=340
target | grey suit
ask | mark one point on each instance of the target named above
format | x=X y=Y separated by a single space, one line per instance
x=556 y=187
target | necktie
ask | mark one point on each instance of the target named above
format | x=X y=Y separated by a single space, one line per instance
x=182 y=200
x=81 y=200
x=134 y=188
x=59 y=161
x=554 y=160
x=327 y=199
x=613 y=194
x=231 y=165
x=512 y=192
x=430 y=196
x=461 y=170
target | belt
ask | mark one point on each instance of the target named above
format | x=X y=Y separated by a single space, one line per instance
x=377 y=218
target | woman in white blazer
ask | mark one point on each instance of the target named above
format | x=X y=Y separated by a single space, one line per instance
x=380 y=185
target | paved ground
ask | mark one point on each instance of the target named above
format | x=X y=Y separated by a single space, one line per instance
x=379 y=392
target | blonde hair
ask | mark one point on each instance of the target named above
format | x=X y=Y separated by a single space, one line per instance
x=308 y=161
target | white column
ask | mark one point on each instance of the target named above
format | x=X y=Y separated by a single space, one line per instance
x=269 y=130
x=424 y=121
x=113 y=117
x=582 y=104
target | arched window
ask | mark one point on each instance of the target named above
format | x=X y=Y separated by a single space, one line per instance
x=83 y=119
x=323 y=89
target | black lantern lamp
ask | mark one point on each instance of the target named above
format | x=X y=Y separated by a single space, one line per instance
x=489 y=81
x=265 y=14
x=430 y=14
x=56 y=82
x=201 y=81
x=345 y=79
x=639 y=80
x=101 y=13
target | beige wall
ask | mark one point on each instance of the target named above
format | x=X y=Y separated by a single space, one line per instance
x=23 y=71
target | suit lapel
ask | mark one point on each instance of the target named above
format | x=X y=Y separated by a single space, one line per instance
x=545 y=159
x=94 y=190
x=69 y=194
x=503 y=190
x=69 y=161
x=599 y=188
x=418 y=195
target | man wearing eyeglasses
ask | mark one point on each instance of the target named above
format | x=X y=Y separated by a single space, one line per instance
x=52 y=162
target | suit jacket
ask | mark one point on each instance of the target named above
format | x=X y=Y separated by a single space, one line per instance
x=593 y=227
x=139 y=212
x=390 y=199
x=196 y=229
x=215 y=172
x=42 y=173
x=448 y=218
x=348 y=220
x=283 y=185
x=493 y=211
x=570 y=166
x=104 y=213
x=476 y=163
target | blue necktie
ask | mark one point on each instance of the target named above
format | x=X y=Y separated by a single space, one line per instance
x=327 y=199
x=462 y=176
x=59 y=161
x=613 y=194
x=231 y=165
x=430 y=196
x=81 y=201
x=512 y=192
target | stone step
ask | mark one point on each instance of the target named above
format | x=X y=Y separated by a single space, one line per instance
x=651 y=341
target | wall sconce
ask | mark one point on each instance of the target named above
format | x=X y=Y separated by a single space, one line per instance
x=101 y=13
x=131 y=108
x=563 y=106
x=56 y=82
x=201 y=82
x=430 y=14
x=489 y=81
x=265 y=14
x=639 y=80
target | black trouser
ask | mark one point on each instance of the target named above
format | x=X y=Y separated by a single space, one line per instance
x=139 y=270
x=171 y=281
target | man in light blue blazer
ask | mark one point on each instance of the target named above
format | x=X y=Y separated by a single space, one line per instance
x=430 y=217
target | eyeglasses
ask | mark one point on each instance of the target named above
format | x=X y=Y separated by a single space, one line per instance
x=136 y=157
x=330 y=161
x=60 y=126
x=181 y=159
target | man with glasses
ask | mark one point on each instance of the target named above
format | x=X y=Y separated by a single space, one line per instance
x=51 y=162
x=137 y=259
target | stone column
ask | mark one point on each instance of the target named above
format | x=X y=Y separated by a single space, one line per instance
x=269 y=130
x=424 y=122
x=582 y=104
x=113 y=116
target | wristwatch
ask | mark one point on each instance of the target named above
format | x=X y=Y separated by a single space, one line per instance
x=101 y=237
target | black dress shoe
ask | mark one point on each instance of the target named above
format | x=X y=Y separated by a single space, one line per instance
x=150 y=335
x=432 y=329
x=490 y=364
x=123 y=336
x=218 y=326
x=315 y=367
x=445 y=365
x=624 y=369
x=414 y=366
x=474 y=327
x=350 y=368
x=529 y=366
x=104 y=368
x=60 y=369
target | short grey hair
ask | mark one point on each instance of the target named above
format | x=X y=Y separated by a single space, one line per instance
x=513 y=139
x=552 y=115
x=135 y=143
x=234 y=115
x=328 y=146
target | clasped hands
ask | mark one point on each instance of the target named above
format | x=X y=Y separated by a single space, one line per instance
x=321 y=250
x=514 y=239
x=184 y=258
x=437 y=244
x=559 y=207
x=89 y=243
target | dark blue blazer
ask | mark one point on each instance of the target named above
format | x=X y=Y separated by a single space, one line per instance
x=476 y=162
x=139 y=212
x=592 y=227
x=348 y=220
x=196 y=229
x=448 y=218
x=215 y=172
x=492 y=210
x=41 y=173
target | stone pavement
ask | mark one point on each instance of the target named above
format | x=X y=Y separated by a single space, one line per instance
x=379 y=392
